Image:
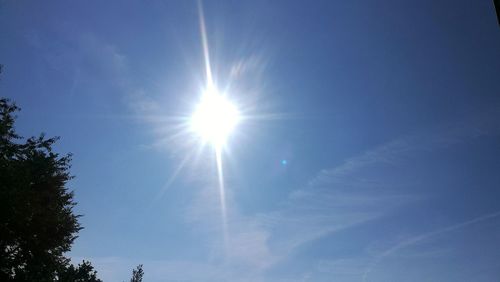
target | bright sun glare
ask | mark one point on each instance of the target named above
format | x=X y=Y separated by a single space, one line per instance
x=215 y=118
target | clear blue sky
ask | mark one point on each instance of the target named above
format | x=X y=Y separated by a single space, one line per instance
x=386 y=112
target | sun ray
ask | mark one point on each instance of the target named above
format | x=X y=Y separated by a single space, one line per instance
x=204 y=41
x=222 y=190
x=172 y=178
x=212 y=117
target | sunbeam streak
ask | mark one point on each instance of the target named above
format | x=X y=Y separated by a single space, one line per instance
x=214 y=119
x=173 y=177
x=222 y=191
x=204 y=41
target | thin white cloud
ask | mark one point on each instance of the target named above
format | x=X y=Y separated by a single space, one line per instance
x=393 y=152
x=425 y=237
x=257 y=242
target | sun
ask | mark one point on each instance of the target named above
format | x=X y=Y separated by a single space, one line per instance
x=214 y=118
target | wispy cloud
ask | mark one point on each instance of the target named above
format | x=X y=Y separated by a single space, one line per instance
x=425 y=237
x=85 y=55
x=394 y=152
x=258 y=242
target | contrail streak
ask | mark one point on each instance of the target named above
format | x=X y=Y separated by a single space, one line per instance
x=424 y=237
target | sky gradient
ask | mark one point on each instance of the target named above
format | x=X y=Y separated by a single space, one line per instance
x=372 y=153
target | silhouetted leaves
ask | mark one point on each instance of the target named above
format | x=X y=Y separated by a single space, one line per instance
x=37 y=223
x=84 y=272
x=137 y=274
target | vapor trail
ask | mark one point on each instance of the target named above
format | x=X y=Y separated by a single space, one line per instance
x=426 y=236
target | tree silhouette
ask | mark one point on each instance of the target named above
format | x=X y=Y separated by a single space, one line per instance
x=37 y=223
x=137 y=274
x=84 y=272
x=496 y=3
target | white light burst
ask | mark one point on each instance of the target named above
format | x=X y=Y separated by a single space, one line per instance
x=215 y=118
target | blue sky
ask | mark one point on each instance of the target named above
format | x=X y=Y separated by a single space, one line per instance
x=386 y=112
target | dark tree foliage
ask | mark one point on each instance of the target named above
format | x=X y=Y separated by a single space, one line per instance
x=37 y=223
x=84 y=272
x=497 y=8
x=137 y=274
